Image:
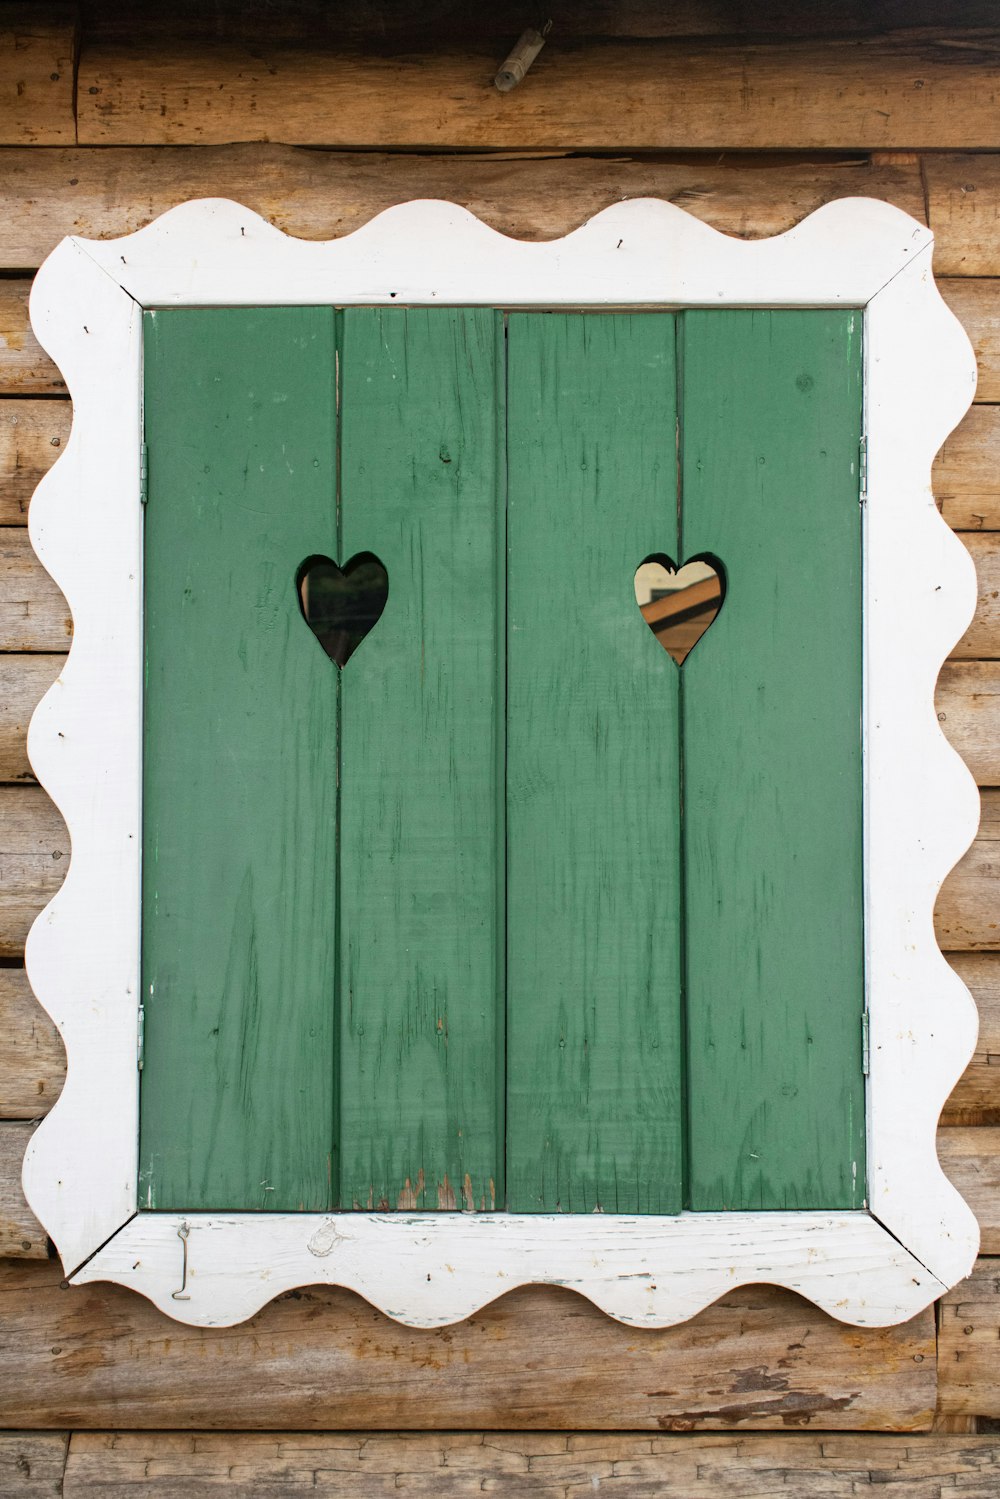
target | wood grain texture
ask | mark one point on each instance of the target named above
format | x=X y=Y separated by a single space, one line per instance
x=982 y=639
x=421 y=817
x=37 y=53
x=34 y=616
x=774 y=969
x=32 y=435
x=971 y=1159
x=34 y=856
x=321 y=194
x=976 y=1099
x=23 y=681
x=32 y=1056
x=539 y=1358
x=240 y=764
x=966 y=476
x=976 y=304
x=24 y=369
x=963 y=200
x=967 y=914
x=594 y=1049
x=548 y=1465
x=968 y=710
x=21 y=1235
x=968 y=1333
x=33 y=1463
x=875 y=94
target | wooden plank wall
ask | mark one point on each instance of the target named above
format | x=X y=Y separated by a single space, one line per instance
x=749 y=117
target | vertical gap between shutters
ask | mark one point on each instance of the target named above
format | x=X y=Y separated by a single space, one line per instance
x=336 y=1060
x=502 y=1008
x=678 y=322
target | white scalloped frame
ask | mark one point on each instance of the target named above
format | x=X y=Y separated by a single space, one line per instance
x=921 y=807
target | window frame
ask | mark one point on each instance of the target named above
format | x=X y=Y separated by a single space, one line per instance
x=873 y=1267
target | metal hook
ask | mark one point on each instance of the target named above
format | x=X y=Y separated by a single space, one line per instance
x=182 y=1234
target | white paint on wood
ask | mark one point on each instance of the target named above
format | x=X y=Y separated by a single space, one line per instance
x=920 y=803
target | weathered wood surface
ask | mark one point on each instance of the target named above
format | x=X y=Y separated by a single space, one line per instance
x=968 y=710
x=34 y=856
x=541 y=1358
x=548 y=1465
x=867 y=94
x=963 y=199
x=982 y=639
x=322 y=194
x=32 y=435
x=34 y=616
x=966 y=475
x=23 y=681
x=976 y=1099
x=968 y=1339
x=32 y=1056
x=37 y=44
x=976 y=304
x=21 y=1235
x=33 y=1463
x=24 y=368
x=967 y=915
x=971 y=1159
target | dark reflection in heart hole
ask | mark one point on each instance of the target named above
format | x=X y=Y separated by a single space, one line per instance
x=679 y=604
x=341 y=605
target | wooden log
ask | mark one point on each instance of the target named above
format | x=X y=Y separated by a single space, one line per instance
x=968 y=710
x=37 y=45
x=34 y=856
x=967 y=916
x=34 y=616
x=971 y=1159
x=547 y=1465
x=976 y=1099
x=322 y=194
x=963 y=198
x=982 y=639
x=24 y=368
x=33 y=1462
x=967 y=471
x=21 y=1234
x=23 y=681
x=878 y=94
x=968 y=1334
x=32 y=1055
x=32 y=435
x=976 y=304
x=541 y=1357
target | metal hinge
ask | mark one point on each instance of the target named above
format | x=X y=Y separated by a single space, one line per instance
x=863 y=461
x=144 y=475
x=866 y=1051
x=141 y=1043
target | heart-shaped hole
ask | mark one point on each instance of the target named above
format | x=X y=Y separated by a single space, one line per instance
x=679 y=603
x=342 y=604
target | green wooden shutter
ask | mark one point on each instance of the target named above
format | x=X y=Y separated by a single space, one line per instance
x=593 y=1000
x=512 y=893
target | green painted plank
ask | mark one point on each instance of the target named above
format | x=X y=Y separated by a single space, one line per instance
x=771 y=417
x=594 y=1036
x=240 y=763
x=421 y=826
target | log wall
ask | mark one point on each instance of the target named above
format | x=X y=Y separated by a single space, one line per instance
x=108 y=116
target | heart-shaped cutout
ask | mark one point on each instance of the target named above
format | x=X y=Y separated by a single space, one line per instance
x=342 y=604
x=679 y=603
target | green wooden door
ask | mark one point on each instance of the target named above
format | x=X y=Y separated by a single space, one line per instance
x=510 y=912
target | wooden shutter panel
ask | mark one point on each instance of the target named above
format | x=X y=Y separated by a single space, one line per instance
x=593 y=1000
x=770 y=430
x=239 y=764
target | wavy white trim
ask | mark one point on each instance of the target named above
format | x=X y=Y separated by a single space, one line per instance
x=920 y=803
